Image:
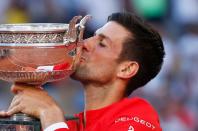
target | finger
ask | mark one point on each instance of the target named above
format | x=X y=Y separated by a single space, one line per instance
x=18 y=96
x=14 y=110
x=21 y=87
x=17 y=88
x=3 y=114
x=16 y=101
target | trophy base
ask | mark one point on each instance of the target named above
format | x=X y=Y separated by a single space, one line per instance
x=20 y=122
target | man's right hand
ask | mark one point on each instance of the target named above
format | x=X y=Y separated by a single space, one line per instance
x=35 y=102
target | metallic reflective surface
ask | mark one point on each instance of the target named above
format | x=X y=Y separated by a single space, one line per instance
x=21 y=117
x=33 y=27
x=39 y=53
x=20 y=122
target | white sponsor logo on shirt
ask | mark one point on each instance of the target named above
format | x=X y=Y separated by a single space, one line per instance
x=135 y=119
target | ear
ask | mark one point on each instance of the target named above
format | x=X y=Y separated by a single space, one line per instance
x=128 y=69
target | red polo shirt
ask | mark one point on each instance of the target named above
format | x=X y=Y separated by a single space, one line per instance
x=129 y=114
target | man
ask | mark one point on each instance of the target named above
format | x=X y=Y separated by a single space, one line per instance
x=122 y=56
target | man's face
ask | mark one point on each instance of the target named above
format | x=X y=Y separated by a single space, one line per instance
x=98 y=62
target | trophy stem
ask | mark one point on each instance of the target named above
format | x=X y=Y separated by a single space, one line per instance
x=22 y=117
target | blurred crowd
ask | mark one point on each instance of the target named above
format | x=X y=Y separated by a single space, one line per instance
x=174 y=93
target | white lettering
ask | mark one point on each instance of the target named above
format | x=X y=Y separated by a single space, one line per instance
x=148 y=124
x=135 y=119
x=142 y=122
x=123 y=119
x=129 y=118
x=153 y=127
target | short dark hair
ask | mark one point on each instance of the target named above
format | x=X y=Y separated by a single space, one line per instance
x=144 y=46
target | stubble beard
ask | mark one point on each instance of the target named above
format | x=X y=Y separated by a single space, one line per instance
x=82 y=73
x=88 y=75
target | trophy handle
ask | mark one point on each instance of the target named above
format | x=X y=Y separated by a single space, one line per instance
x=81 y=27
x=74 y=36
x=80 y=32
x=71 y=34
x=75 y=31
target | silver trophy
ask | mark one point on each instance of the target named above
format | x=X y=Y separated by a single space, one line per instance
x=35 y=54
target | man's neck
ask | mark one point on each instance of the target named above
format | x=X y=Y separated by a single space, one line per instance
x=97 y=97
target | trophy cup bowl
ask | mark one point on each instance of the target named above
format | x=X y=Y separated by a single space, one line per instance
x=36 y=53
x=39 y=53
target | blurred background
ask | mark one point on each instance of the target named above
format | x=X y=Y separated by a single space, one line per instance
x=174 y=93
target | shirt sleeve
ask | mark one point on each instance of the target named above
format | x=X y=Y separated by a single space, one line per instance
x=61 y=126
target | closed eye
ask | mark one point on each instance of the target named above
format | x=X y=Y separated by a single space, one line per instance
x=101 y=44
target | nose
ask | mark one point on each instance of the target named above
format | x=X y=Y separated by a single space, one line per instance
x=88 y=44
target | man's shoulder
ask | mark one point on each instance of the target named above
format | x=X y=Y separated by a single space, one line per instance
x=135 y=105
x=135 y=112
x=129 y=114
x=141 y=104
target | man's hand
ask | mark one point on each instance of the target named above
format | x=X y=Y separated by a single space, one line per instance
x=35 y=102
